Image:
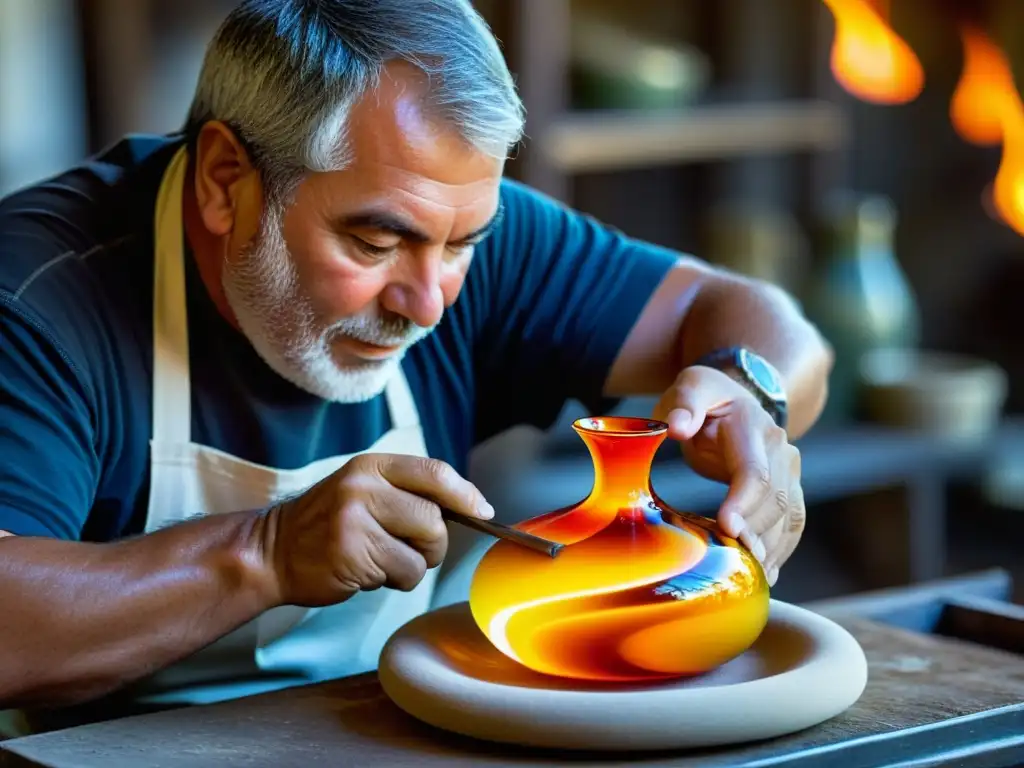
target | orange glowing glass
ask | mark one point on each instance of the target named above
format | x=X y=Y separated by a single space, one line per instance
x=868 y=58
x=1008 y=189
x=984 y=90
x=640 y=591
x=986 y=109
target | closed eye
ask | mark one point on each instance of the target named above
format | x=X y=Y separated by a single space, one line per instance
x=465 y=245
x=377 y=251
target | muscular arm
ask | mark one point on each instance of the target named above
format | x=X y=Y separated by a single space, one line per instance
x=697 y=309
x=81 y=620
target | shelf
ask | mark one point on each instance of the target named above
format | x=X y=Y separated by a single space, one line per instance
x=836 y=464
x=604 y=141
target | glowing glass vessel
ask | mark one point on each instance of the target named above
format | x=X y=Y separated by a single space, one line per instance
x=640 y=591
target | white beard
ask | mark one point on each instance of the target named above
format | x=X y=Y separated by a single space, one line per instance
x=263 y=291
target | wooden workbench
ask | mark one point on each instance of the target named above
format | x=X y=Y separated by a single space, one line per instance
x=931 y=696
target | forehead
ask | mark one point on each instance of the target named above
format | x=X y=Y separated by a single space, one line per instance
x=403 y=161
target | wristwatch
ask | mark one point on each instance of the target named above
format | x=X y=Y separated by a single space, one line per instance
x=754 y=372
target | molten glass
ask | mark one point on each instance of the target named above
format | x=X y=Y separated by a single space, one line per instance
x=640 y=591
x=986 y=109
x=868 y=58
x=984 y=91
x=1008 y=188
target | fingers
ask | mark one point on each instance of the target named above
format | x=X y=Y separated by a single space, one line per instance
x=764 y=491
x=746 y=457
x=792 y=529
x=398 y=565
x=774 y=529
x=772 y=540
x=784 y=468
x=434 y=480
x=413 y=519
x=370 y=557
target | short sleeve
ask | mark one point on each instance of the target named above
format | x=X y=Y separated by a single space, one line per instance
x=556 y=294
x=48 y=462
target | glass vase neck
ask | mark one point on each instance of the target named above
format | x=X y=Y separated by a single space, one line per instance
x=622 y=450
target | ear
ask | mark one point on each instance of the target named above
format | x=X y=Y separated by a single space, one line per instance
x=223 y=173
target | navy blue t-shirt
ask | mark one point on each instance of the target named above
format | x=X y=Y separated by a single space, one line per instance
x=549 y=299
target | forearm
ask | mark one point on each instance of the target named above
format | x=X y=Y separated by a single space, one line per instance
x=80 y=620
x=734 y=311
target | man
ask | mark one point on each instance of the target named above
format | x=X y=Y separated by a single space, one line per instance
x=242 y=368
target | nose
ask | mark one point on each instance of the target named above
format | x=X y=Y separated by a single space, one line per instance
x=415 y=291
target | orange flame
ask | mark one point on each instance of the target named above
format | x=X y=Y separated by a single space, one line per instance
x=869 y=59
x=640 y=592
x=983 y=90
x=1008 y=190
x=986 y=109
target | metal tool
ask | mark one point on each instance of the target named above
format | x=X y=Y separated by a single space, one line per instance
x=499 y=531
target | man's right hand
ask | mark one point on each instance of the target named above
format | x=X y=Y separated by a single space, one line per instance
x=374 y=523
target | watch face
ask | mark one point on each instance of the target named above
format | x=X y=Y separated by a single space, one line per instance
x=763 y=374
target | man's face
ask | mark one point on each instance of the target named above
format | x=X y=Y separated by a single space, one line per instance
x=361 y=265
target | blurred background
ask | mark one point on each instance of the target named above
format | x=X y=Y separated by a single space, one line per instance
x=867 y=155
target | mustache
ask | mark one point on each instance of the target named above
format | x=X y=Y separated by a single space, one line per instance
x=390 y=331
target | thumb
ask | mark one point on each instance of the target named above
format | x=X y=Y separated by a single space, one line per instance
x=685 y=406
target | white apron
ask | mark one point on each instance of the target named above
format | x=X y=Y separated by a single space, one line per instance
x=286 y=645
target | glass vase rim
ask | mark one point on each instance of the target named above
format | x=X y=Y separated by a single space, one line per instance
x=620 y=426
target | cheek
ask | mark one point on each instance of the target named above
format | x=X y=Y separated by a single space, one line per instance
x=341 y=290
x=336 y=286
x=340 y=296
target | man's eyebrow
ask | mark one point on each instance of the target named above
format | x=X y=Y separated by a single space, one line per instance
x=386 y=221
x=486 y=229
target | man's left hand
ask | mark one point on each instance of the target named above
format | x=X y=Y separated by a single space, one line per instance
x=728 y=436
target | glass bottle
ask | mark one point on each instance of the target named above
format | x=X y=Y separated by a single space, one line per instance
x=860 y=298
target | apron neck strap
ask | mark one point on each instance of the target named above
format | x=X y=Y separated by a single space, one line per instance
x=172 y=392
x=401 y=405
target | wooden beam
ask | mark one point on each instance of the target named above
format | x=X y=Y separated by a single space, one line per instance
x=539 y=57
x=609 y=141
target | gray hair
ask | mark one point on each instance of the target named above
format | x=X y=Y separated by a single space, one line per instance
x=284 y=74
